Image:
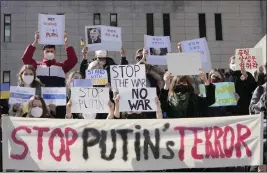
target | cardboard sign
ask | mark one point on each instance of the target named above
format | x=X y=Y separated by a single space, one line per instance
x=199 y=45
x=51 y=29
x=128 y=76
x=98 y=76
x=89 y=100
x=138 y=99
x=157 y=47
x=131 y=145
x=249 y=58
x=225 y=94
x=100 y=37
x=20 y=95
x=54 y=95
x=184 y=63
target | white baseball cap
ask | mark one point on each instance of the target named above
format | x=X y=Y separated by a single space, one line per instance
x=101 y=53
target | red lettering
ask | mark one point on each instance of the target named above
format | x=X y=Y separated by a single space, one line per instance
x=210 y=151
x=228 y=150
x=218 y=134
x=181 y=151
x=71 y=141
x=40 y=132
x=58 y=132
x=241 y=140
x=20 y=142
x=196 y=141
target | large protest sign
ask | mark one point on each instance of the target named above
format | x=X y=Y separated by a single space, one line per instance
x=51 y=29
x=4 y=90
x=225 y=94
x=20 y=95
x=98 y=76
x=157 y=47
x=89 y=100
x=138 y=99
x=262 y=44
x=184 y=63
x=248 y=58
x=199 y=45
x=54 y=95
x=128 y=76
x=97 y=145
x=100 y=37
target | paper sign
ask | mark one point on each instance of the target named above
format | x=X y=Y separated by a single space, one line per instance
x=51 y=29
x=98 y=76
x=54 y=95
x=82 y=82
x=248 y=58
x=131 y=145
x=262 y=44
x=128 y=76
x=184 y=63
x=89 y=99
x=100 y=37
x=157 y=47
x=225 y=94
x=138 y=99
x=20 y=95
x=199 y=45
x=4 y=90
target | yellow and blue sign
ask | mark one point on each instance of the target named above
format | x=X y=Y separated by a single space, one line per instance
x=4 y=91
x=225 y=94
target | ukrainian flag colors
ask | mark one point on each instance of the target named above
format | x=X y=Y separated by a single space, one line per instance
x=4 y=91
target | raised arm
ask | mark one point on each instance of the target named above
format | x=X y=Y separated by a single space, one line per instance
x=27 y=57
x=72 y=59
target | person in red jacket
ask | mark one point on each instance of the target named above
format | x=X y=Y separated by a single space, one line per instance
x=50 y=72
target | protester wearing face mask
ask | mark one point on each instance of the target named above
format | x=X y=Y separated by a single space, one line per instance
x=178 y=99
x=37 y=108
x=49 y=71
x=26 y=78
x=245 y=84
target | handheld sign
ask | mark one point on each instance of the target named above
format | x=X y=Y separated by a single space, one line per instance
x=248 y=58
x=51 y=29
x=82 y=82
x=4 y=90
x=20 y=95
x=98 y=76
x=54 y=95
x=199 y=45
x=184 y=63
x=100 y=37
x=225 y=94
x=262 y=44
x=89 y=100
x=128 y=76
x=138 y=99
x=131 y=145
x=157 y=47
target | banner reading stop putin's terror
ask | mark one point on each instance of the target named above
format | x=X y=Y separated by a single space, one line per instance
x=104 y=145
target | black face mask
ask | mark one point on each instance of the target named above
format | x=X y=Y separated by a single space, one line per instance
x=180 y=88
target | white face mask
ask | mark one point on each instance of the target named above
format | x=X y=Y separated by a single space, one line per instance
x=49 y=56
x=27 y=79
x=233 y=67
x=37 y=112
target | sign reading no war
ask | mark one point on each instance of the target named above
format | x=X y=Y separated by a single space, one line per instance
x=126 y=145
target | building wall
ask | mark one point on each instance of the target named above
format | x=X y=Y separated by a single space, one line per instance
x=242 y=23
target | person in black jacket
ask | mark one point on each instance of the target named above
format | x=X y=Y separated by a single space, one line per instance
x=245 y=84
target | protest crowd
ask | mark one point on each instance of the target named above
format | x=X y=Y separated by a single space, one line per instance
x=110 y=92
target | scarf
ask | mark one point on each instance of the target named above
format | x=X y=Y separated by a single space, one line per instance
x=179 y=103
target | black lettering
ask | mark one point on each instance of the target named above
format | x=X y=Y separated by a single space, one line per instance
x=168 y=144
x=135 y=93
x=129 y=74
x=84 y=94
x=102 y=145
x=114 y=69
x=89 y=143
x=147 y=142
x=141 y=93
x=94 y=92
x=147 y=104
x=137 y=143
x=124 y=137
x=136 y=69
x=140 y=103
x=121 y=71
x=133 y=105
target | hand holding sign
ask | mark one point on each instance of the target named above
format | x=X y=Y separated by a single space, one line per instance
x=244 y=74
x=68 y=110
x=203 y=77
x=123 y=52
x=66 y=39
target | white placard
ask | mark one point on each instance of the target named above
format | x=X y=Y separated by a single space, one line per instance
x=184 y=63
x=157 y=47
x=128 y=76
x=262 y=44
x=199 y=45
x=54 y=95
x=20 y=95
x=100 y=37
x=87 y=145
x=51 y=29
x=248 y=58
x=138 y=99
x=98 y=76
x=89 y=99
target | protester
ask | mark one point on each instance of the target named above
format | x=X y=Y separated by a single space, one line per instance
x=178 y=99
x=245 y=84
